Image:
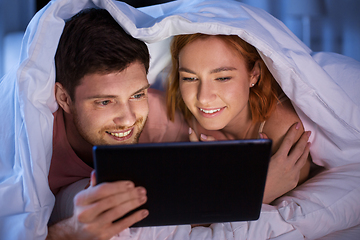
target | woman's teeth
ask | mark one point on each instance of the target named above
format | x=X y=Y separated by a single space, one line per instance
x=210 y=111
x=123 y=134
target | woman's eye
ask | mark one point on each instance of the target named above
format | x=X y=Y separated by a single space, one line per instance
x=189 y=79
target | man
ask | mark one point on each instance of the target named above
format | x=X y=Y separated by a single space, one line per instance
x=102 y=91
x=103 y=94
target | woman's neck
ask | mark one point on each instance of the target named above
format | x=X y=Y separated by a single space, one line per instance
x=241 y=127
x=243 y=131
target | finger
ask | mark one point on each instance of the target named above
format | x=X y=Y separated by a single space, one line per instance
x=127 y=222
x=101 y=191
x=192 y=136
x=124 y=202
x=122 y=209
x=298 y=149
x=263 y=136
x=206 y=138
x=93 y=178
x=289 y=139
x=302 y=160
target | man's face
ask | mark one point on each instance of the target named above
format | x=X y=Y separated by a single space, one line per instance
x=111 y=109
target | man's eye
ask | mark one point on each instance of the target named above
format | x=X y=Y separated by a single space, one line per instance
x=139 y=95
x=104 y=103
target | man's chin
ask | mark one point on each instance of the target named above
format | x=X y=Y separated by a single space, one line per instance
x=129 y=141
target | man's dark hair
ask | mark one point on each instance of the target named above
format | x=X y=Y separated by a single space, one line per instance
x=93 y=42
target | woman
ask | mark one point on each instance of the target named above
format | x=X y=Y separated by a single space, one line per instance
x=225 y=91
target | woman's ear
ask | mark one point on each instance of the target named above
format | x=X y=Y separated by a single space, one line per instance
x=62 y=97
x=255 y=73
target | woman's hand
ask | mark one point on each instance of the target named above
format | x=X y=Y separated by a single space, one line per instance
x=285 y=165
x=203 y=137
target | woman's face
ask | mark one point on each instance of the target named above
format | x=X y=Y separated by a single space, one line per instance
x=215 y=83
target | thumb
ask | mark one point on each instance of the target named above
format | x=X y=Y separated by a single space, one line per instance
x=93 y=179
x=207 y=138
x=263 y=136
x=192 y=136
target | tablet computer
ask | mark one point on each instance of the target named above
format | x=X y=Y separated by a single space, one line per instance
x=191 y=183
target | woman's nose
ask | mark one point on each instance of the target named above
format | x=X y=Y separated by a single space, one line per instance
x=206 y=92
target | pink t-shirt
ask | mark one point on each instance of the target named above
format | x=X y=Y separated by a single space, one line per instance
x=66 y=167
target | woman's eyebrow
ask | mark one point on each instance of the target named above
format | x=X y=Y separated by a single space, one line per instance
x=222 y=69
x=182 y=69
x=216 y=70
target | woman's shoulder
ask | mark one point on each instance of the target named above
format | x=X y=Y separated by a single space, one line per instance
x=280 y=121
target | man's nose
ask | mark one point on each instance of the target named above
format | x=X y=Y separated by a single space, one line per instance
x=124 y=115
x=206 y=92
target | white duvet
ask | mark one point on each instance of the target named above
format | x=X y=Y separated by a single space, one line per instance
x=323 y=87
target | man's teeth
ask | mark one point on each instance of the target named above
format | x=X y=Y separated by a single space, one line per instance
x=124 y=134
x=210 y=111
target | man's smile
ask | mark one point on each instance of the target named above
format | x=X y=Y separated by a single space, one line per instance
x=121 y=135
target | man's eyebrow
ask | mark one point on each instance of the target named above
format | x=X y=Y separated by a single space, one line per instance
x=141 y=89
x=216 y=70
x=101 y=96
x=114 y=96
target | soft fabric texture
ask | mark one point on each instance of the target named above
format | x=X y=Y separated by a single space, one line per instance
x=322 y=86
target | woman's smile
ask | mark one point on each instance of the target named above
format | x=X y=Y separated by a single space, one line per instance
x=211 y=112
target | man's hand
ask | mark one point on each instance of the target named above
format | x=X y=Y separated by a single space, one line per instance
x=97 y=207
x=285 y=165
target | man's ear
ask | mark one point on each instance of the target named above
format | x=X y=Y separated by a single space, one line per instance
x=62 y=97
x=255 y=73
